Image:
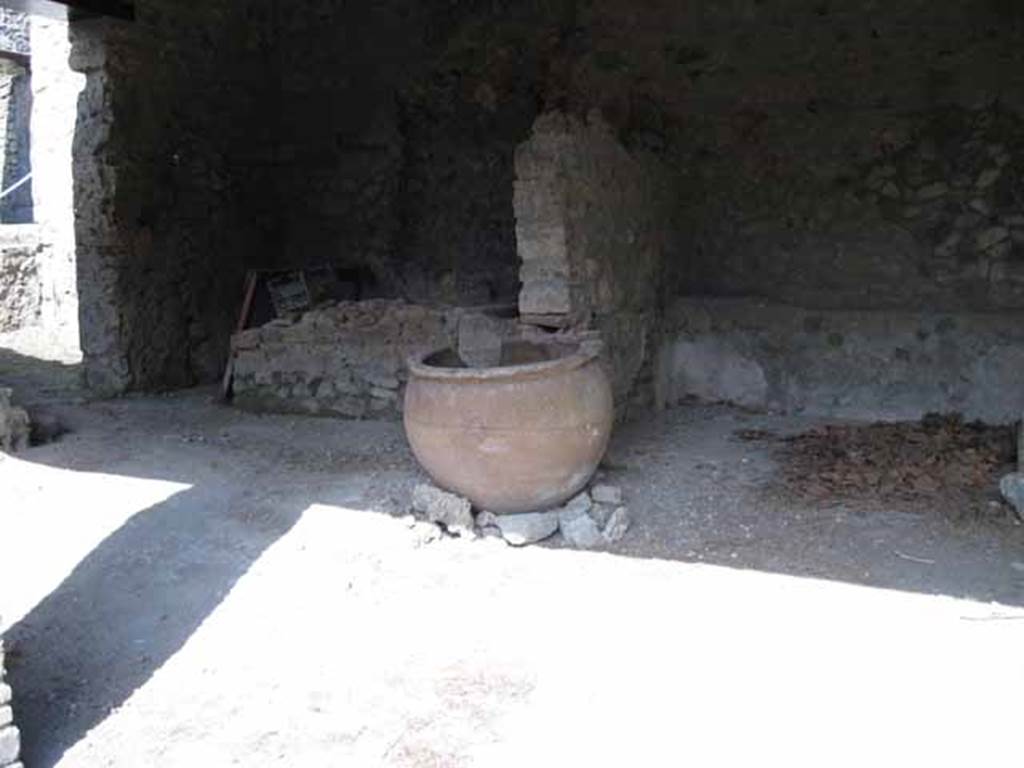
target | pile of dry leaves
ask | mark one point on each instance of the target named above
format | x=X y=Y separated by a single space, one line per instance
x=940 y=463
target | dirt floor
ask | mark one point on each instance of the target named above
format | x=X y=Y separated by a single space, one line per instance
x=189 y=585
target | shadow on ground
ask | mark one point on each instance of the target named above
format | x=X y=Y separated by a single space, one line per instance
x=122 y=612
x=137 y=597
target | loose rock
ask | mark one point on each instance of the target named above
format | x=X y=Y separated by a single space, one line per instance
x=601 y=513
x=579 y=529
x=1012 y=487
x=579 y=504
x=529 y=528
x=606 y=494
x=453 y=512
x=486 y=519
x=480 y=340
x=617 y=525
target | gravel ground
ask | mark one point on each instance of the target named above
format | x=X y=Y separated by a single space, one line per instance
x=191 y=585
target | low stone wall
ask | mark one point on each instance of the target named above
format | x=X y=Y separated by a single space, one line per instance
x=854 y=364
x=348 y=359
x=10 y=737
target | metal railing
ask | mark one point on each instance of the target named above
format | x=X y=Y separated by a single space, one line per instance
x=16 y=185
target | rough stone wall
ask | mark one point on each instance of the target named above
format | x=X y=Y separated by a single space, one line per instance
x=396 y=154
x=829 y=155
x=173 y=153
x=344 y=360
x=21 y=289
x=832 y=154
x=218 y=136
x=848 y=363
x=10 y=738
x=594 y=230
x=936 y=220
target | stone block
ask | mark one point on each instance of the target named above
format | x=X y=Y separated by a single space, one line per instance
x=542 y=271
x=448 y=509
x=579 y=529
x=382 y=380
x=520 y=530
x=539 y=201
x=1012 y=488
x=578 y=504
x=606 y=494
x=617 y=526
x=387 y=395
x=480 y=339
x=542 y=242
x=351 y=406
x=545 y=297
x=601 y=513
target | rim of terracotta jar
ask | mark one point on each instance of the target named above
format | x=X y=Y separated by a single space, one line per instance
x=584 y=352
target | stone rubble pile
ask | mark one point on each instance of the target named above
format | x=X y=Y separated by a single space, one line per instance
x=10 y=737
x=587 y=521
x=348 y=358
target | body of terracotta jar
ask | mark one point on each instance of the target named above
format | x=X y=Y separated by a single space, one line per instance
x=523 y=436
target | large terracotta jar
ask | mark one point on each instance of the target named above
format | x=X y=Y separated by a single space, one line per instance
x=525 y=435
